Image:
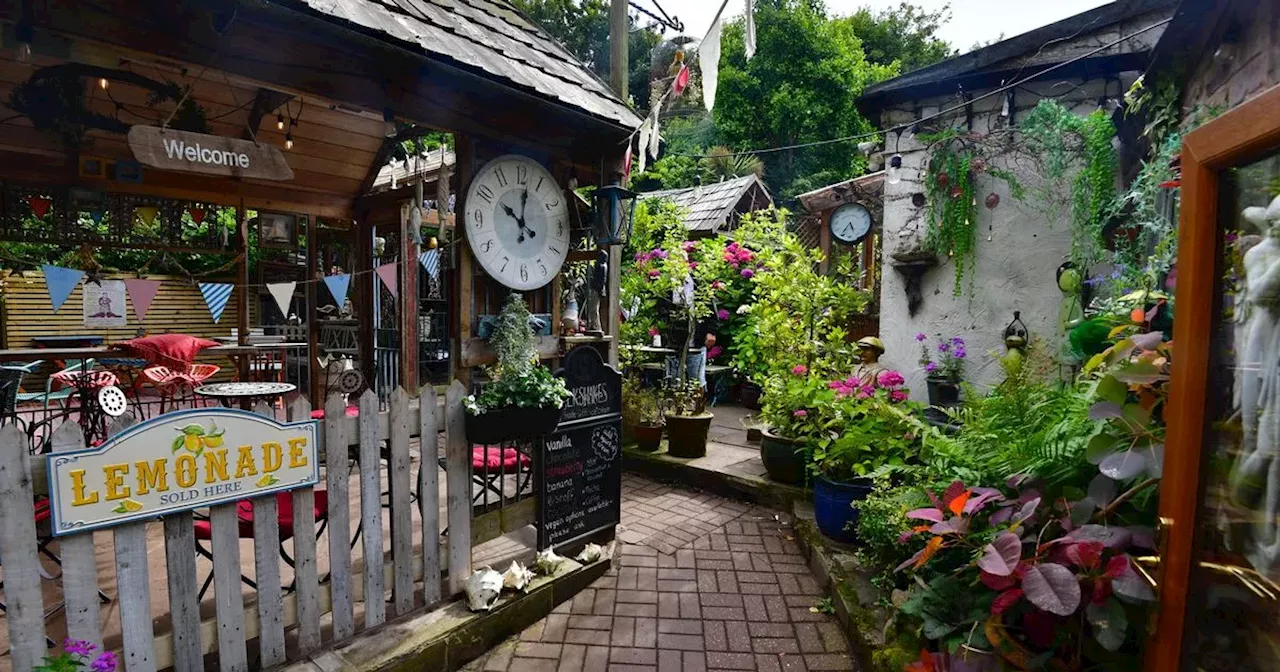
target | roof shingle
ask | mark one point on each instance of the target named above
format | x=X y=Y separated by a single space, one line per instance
x=708 y=206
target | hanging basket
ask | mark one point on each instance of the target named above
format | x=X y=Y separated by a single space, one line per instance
x=513 y=423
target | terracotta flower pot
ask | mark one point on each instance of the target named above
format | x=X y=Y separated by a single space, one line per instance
x=648 y=437
x=785 y=459
x=687 y=435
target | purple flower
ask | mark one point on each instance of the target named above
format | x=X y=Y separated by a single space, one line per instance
x=799 y=370
x=689 y=245
x=930 y=367
x=714 y=352
x=921 y=338
x=898 y=396
x=959 y=352
x=800 y=413
x=722 y=314
x=957 y=341
x=105 y=662
x=79 y=647
x=747 y=273
x=890 y=379
x=654 y=273
x=944 y=346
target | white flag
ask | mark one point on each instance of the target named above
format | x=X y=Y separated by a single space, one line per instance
x=751 y=29
x=282 y=292
x=644 y=145
x=654 y=138
x=709 y=61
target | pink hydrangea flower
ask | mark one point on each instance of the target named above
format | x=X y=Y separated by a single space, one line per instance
x=890 y=379
x=654 y=274
x=106 y=662
x=653 y=331
x=898 y=396
x=800 y=413
x=722 y=314
x=747 y=273
x=714 y=352
x=689 y=245
x=693 y=264
x=717 y=285
x=799 y=370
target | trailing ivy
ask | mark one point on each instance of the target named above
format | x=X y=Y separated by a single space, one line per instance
x=952 y=210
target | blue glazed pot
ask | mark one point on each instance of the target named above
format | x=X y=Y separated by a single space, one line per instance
x=832 y=505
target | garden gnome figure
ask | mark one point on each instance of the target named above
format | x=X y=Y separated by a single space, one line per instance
x=1015 y=343
x=869 y=368
x=595 y=288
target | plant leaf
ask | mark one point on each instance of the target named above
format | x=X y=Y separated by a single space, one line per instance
x=1027 y=510
x=1125 y=465
x=928 y=551
x=1099 y=447
x=1086 y=554
x=1001 y=516
x=1005 y=600
x=1110 y=624
x=1130 y=586
x=1103 y=410
x=1001 y=556
x=996 y=583
x=1139 y=373
x=976 y=503
x=1148 y=341
x=954 y=490
x=1052 y=588
x=1112 y=390
x=956 y=505
x=1102 y=490
x=931 y=515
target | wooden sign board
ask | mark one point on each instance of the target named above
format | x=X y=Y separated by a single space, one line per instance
x=167 y=149
x=580 y=484
x=177 y=462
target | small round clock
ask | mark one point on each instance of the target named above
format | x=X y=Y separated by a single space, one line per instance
x=850 y=223
x=517 y=222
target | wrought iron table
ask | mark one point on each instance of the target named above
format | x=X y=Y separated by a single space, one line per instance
x=244 y=392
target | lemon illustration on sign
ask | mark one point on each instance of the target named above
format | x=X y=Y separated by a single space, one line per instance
x=213 y=438
x=128 y=506
x=194 y=438
x=269 y=479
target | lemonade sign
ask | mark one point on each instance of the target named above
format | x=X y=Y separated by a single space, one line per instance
x=177 y=462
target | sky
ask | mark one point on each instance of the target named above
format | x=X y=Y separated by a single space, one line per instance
x=972 y=21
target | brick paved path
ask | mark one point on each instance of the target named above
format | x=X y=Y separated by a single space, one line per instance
x=704 y=583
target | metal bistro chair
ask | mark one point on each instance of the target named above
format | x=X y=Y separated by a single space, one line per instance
x=174 y=386
x=244 y=513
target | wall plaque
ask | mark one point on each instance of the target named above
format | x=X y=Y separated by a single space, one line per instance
x=167 y=149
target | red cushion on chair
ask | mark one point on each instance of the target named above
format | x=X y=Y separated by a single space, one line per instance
x=42 y=511
x=284 y=507
x=352 y=412
x=175 y=351
x=491 y=458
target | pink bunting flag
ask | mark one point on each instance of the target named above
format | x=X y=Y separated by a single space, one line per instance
x=389 y=278
x=141 y=293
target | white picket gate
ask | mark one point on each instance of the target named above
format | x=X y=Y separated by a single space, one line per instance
x=286 y=623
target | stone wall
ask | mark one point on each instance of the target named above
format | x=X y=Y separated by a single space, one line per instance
x=1017 y=251
x=1233 y=72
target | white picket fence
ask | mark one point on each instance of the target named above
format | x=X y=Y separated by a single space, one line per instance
x=275 y=611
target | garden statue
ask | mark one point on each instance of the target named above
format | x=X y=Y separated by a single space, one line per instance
x=1015 y=343
x=569 y=316
x=869 y=367
x=1255 y=480
x=595 y=288
x=1070 y=282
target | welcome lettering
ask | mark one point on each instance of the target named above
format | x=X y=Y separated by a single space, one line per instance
x=177 y=149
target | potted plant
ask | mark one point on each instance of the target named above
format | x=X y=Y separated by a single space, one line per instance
x=523 y=399
x=874 y=434
x=688 y=422
x=1046 y=586
x=641 y=414
x=945 y=371
x=796 y=413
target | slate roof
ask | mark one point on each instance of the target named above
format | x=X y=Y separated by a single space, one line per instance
x=491 y=36
x=400 y=173
x=709 y=205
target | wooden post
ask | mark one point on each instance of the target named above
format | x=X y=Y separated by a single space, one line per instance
x=618 y=42
x=364 y=298
x=312 y=292
x=408 y=296
x=242 y=287
x=465 y=156
x=824 y=240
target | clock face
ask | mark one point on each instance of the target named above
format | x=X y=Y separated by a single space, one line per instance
x=517 y=222
x=850 y=223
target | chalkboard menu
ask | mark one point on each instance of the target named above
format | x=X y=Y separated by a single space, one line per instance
x=580 y=470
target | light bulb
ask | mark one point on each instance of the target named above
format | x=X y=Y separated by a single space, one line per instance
x=102 y=82
x=288 y=141
x=279 y=122
x=893 y=174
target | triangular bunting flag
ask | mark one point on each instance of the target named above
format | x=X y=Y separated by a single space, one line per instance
x=709 y=61
x=141 y=293
x=216 y=295
x=654 y=138
x=682 y=80
x=430 y=261
x=750 y=37
x=388 y=274
x=626 y=163
x=337 y=285
x=644 y=146
x=61 y=282
x=282 y=292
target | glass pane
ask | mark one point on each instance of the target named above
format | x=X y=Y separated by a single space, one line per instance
x=1235 y=583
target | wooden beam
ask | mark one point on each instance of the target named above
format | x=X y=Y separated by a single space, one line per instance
x=266 y=101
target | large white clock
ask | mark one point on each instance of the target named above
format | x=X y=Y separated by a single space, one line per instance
x=517 y=222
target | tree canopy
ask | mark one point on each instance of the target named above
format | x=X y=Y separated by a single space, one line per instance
x=905 y=35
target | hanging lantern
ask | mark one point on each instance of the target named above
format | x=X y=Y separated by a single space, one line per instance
x=614 y=207
x=147 y=214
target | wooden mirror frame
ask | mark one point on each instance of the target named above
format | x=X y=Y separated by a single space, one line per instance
x=1247 y=132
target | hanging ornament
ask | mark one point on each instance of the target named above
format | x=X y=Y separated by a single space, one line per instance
x=993 y=200
x=432 y=243
x=943 y=180
x=40 y=205
x=956 y=191
x=197 y=214
x=147 y=213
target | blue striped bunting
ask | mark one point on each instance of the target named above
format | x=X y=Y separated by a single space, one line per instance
x=216 y=295
x=430 y=261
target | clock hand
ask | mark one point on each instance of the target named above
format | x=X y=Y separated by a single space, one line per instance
x=511 y=213
x=524 y=202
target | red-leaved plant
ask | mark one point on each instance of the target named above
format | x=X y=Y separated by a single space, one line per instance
x=1047 y=572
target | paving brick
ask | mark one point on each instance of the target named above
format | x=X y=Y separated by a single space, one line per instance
x=554 y=627
x=767 y=662
x=576 y=636
x=622 y=667
x=754 y=606
x=680 y=626
x=724 y=613
x=711 y=555
x=759 y=589
x=827 y=661
x=799 y=601
x=720 y=600
x=741 y=560
x=739 y=639
x=771 y=630
x=624 y=631
x=715 y=564
x=537 y=650
x=666 y=561
x=717 y=660
x=669 y=640
x=833 y=639
x=801 y=614
x=604 y=601
x=668 y=605
x=775 y=645
x=809 y=639
x=627 y=609
x=788 y=584
x=646 y=632
x=728 y=581
x=533 y=633
x=627 y=578
x=534 y=664
x=669 y=661
x=500 y=657
x=572 y=656
x=685 y=557
x=630 y=656
x=714 y=634
x=695 y=661
x=582 y=601
x=674 y=574
x=637 y=596
x=647 y=578
x=688 y=605
x=678 y=586
x=757 y=577
x=591 y=622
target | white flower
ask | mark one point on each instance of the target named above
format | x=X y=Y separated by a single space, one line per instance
x=744 y=309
